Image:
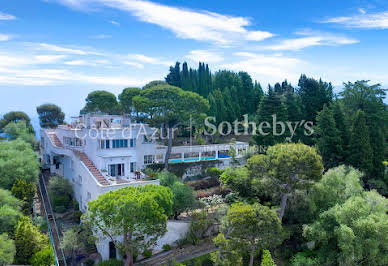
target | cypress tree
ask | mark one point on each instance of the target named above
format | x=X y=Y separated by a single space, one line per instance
x=360 y=150
x=173 y=78
x=185 y=78
x=342 y=129
x=258 y=94
x=247 y=96
x=271 y=105
x=217 y=106
x=314 y=95
x=328 y=138
x=294 y=113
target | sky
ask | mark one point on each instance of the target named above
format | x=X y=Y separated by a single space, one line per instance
x=57 y=51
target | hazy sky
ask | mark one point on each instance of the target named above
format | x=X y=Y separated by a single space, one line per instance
x=59 y=50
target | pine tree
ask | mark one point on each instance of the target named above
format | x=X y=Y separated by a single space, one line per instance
x=360 y=151
x=328 y=138
x=269 y=106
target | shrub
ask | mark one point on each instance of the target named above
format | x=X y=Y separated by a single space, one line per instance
x=204 y=183
x=60 y=209
x=212 y=191
x=167 y=179
x=199 y=226
x=151 y=173
x=111 y=262
x=89 y=262
x=24 y=191
x=41 y=223
x=75 y=205
x=232 y=197
x=45 y=257
x=60 y=200
x=77 y=216
x=304 y=259
x=200 y=141
x=266 y=259
x=214 y=172
x=28 y=240
x=60 y=191
x=166 y=247
x=147 y=253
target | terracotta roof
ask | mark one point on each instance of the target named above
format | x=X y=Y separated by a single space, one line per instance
x=92 y=168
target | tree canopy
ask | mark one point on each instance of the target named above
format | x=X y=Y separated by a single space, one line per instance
x=50 y=115
x=285 y=168
x=17 y=161
x=7 y=250
x=249 y=228
x=168 y=106
x=16 y=116
x=20 y=130
x=132 y=212
x=352 y=233
x=28 y=240
x=101 y=102
x=9 y=211
x=336 y=186
x=328 y=138
x=125 y=99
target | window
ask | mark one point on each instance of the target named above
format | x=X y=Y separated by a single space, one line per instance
x=116 y=169
x=132 y=143
x=149 y=159
x=133 y=167
x=104 y=144
x=119 y=143
x=72 y=141
x=89 y=196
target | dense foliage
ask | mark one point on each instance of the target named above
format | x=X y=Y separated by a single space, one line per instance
x=28 y=240
x=132 y=212
x=248 y=228
x=61 y=193
x=9 y=211
x=17 y=161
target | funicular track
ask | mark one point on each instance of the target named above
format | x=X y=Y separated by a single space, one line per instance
x=54 y=232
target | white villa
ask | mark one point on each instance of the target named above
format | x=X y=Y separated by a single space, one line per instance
x=100 y=153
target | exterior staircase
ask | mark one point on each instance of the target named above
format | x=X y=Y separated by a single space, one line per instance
x=54 y=139
x=84 y=158
x=92 y=168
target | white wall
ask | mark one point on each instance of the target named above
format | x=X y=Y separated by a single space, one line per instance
x=176 y=230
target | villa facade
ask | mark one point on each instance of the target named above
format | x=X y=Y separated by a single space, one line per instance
x=100 y=153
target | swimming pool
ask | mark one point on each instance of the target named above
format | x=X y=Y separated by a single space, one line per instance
x=187 y=160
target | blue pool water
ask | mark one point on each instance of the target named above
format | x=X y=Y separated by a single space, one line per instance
x=192 y=159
